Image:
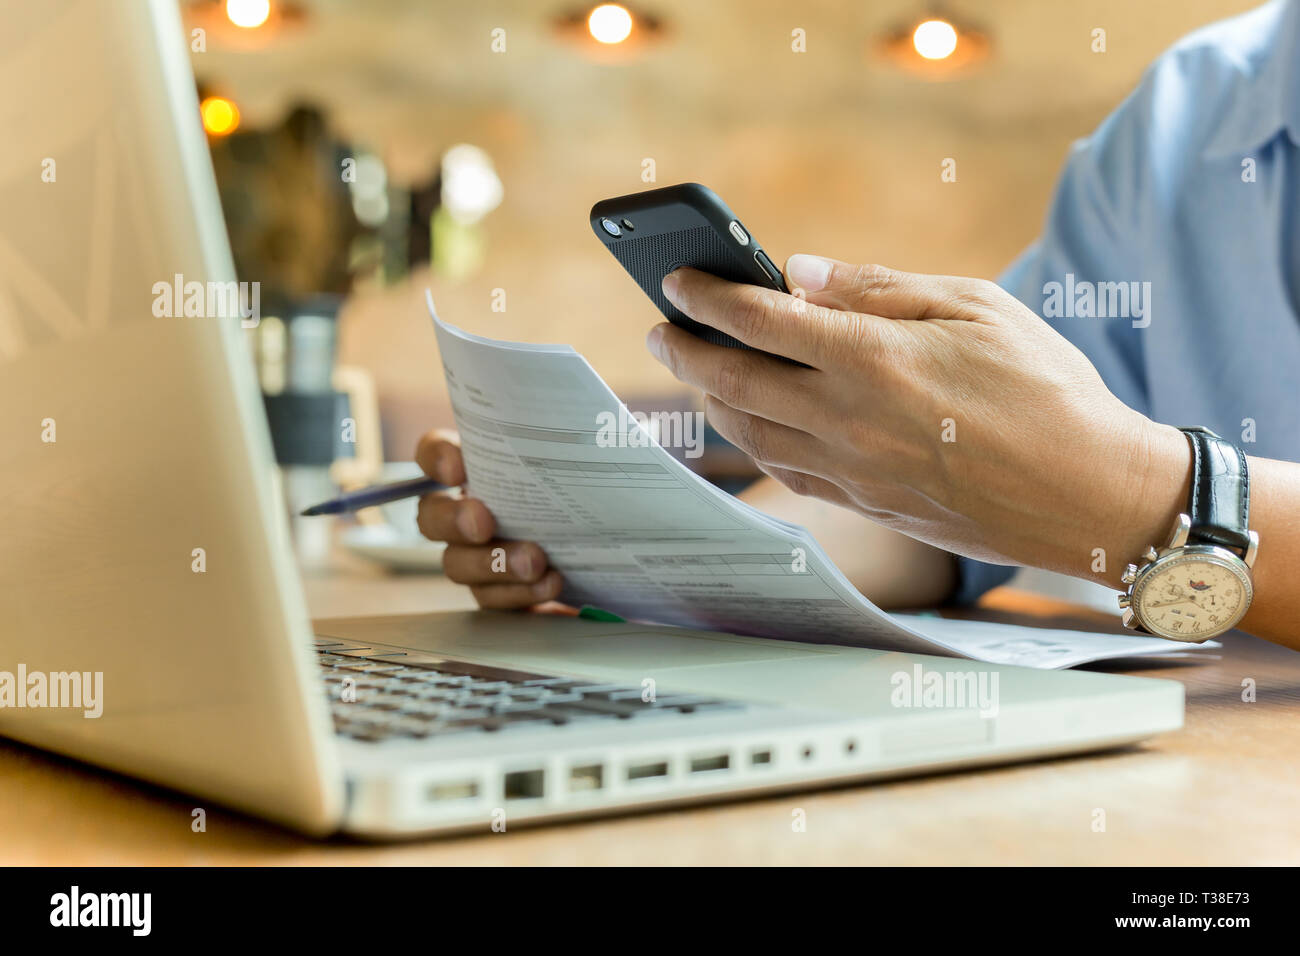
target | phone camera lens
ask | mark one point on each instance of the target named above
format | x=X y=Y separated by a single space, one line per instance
x=627 y=224
x=611 y=227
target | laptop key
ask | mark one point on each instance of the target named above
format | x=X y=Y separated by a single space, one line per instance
x=588 y=705
x=559 y=698
x=486 y=672
x=428 y=696
x=491 y=688
x=488 y=702
x=440 y=698
x=465 y=713
x=518 y=707
x=520 y=692
x=433 y=679
x=586 y=687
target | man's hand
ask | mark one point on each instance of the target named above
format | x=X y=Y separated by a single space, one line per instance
x=937 y=406
x=525 y=579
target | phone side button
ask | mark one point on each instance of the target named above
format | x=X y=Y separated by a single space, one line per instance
x=765 y=264
x=738 y=231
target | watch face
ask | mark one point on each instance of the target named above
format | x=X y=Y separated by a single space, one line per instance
x=1194 y=595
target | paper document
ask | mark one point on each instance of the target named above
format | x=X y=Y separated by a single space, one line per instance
x=636 y=532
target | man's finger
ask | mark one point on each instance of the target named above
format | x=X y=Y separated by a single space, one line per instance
x=809 y=486
x=498 y=562
x=455 y=520
x=749 y=381
x=889 y=293
x=513 y=596
x=439 y=457
x=768 y=442
x=764 y=319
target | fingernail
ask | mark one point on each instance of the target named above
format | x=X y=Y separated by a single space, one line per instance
x=467 y=521
x=810 y=273
x=670 y=285
x=654 y=340
x=524 y=562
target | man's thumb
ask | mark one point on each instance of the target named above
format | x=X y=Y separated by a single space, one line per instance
x=829 y=282
x=873 y=289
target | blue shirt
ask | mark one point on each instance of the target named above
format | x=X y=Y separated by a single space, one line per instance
x=1191 y=190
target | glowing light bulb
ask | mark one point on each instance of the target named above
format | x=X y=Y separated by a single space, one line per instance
x=610 y=23
x=470 y=186
x=935 y=39
x=220 y=116
x=248 y=13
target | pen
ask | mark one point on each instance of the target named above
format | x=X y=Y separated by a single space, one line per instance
x=375 y=495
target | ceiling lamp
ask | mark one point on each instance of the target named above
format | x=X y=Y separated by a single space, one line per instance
x=244 y=24
x=935 y=47
x=609 y=23
x=609 y=32
x=249 y=14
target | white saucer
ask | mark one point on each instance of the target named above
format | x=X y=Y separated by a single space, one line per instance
x=394 y=549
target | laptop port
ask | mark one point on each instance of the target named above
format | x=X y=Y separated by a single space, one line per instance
x=648 y=771
x=708 y=764
x=445 y=790
x=760 y=757
x=586 y=778
x=525 y=784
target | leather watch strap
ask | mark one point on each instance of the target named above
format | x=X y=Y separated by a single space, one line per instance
x=1220 y=499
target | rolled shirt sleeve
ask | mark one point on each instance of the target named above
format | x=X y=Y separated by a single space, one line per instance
x=1187 y=191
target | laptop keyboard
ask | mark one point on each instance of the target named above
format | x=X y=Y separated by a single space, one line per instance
x=379 y=697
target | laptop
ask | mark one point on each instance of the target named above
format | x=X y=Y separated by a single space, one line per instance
x=146 y=571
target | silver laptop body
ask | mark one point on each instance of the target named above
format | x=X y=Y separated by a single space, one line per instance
x=132 y=443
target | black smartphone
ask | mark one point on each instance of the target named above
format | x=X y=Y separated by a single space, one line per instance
x=654 y=232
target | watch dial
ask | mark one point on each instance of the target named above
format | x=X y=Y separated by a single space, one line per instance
x=1192 y=598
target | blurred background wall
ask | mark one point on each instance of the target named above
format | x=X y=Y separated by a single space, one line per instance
x=836 y=149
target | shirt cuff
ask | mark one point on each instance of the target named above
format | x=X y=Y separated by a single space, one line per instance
x=976 y=577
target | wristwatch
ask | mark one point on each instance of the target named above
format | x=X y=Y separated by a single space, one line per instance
x=1199 y=585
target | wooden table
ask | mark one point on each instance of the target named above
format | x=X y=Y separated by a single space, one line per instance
x=1225 y=790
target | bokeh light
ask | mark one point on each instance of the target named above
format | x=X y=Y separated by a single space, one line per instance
x=610 y=23
x=248 y=13
x=220 y=116
x=935 y=39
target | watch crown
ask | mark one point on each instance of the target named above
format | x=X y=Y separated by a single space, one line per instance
x=1123 y=600
x=1150 y=555
x=1130 y=574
